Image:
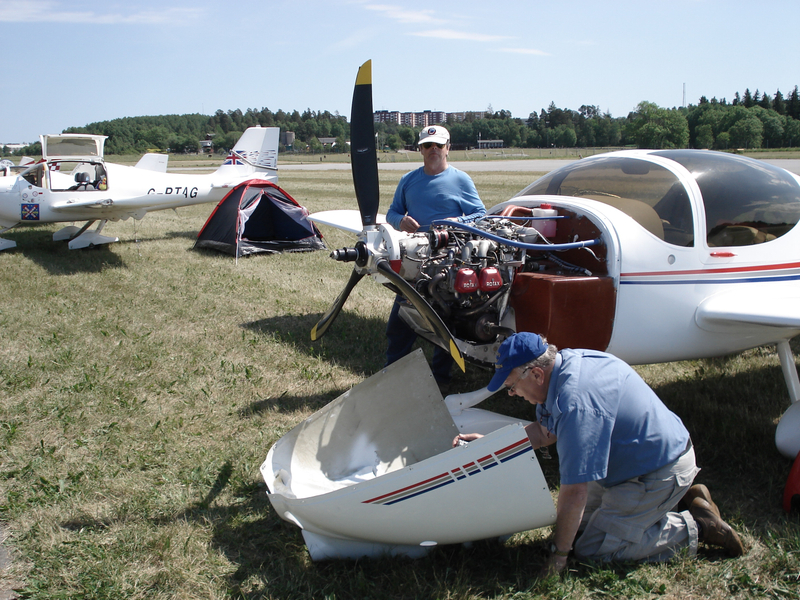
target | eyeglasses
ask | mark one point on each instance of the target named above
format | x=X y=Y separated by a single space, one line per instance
x=511 y=388
x=427 y=145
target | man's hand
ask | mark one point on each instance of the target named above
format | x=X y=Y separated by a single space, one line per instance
x=554 y=565
x=408 y=224
x=467 y=437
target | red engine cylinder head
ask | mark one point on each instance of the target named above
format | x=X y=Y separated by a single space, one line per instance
x=490 y=279
x=466 y=281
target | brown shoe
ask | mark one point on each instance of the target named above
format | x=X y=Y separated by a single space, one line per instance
x=698 y=491
x=715 y=531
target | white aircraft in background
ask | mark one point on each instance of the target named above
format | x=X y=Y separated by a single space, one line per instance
x=72 y=182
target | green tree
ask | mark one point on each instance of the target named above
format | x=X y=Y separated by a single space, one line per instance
x=793 y=108
x=791 y=132
x=747 y=132
x=394 y=142
x=659 y=128
x=564 y=136
x=705 y=137
x=778 y=103
x=773 y=125
x=313 y=145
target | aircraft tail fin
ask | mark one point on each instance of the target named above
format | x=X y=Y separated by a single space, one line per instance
x=153 y=162
x=256 y=151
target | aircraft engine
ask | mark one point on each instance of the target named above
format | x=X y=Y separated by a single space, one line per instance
x=466 y=277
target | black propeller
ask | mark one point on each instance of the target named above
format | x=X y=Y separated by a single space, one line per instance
x=362 y=147
x=365 y=180
x=322 y=325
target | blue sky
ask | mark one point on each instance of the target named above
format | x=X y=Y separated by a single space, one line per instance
x=69 y=63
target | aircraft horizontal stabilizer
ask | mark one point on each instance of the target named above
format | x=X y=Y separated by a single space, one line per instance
x=729 y=311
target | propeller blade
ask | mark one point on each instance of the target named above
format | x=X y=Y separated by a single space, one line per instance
x=424 y=309
x=329 y=317
x=364 y=155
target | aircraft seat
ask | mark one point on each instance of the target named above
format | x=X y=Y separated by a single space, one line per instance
x=83 y=182
x=641 y=212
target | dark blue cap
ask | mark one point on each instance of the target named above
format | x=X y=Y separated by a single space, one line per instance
x=518 y=350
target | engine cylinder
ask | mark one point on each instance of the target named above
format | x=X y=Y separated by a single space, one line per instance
x=490 y=279
x=466 y=281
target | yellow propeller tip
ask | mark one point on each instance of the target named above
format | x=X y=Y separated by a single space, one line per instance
x=456 y=354
x=364 y=76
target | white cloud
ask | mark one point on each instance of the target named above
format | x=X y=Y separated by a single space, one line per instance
x=450 y=34
x=532 y=51
x=49 y=11
x=403 y=15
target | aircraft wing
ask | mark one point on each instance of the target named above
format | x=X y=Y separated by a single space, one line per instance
x=122 y=207
x=346 y=220
x=760 y=309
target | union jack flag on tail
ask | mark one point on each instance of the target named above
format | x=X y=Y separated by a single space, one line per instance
x=233 y=159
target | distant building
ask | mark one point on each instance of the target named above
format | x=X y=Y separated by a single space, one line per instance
x=387 y=116
x=458 y=117
x=13 y=147
x=287 y=138
x=424 y=118
x=484 y=144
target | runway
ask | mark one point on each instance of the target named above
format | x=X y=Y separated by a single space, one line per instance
x=531 y=166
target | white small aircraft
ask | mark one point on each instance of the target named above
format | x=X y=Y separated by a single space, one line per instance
x=72 y=182
x=654 y=256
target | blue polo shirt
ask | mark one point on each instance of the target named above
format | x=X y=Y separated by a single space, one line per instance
x=610 y=426
x=426 y=198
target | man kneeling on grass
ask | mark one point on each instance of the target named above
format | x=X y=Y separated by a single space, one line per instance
x=625 y=459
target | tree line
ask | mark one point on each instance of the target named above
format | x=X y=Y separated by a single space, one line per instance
x=751 y=120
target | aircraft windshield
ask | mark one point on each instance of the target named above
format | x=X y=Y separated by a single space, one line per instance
x=35 y=175
x=746 y=201
x=650 y=194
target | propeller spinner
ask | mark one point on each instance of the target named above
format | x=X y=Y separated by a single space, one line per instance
x=370 y=254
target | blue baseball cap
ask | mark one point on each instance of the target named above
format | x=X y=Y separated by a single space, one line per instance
x=518 y=350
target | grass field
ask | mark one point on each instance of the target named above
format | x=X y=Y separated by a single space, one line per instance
x=142 y=384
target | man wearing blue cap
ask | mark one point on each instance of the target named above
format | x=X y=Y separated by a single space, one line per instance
x=434 y=191
x=625 y=460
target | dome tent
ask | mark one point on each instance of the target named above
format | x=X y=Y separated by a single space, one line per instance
x=258 y=216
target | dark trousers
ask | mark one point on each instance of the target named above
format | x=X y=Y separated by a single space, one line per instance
x=401 y=340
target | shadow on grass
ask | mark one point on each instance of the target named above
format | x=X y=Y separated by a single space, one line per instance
x=56 y=258
x=732 y=419
x=288 y=404
x=272 y=560
x=356 y=343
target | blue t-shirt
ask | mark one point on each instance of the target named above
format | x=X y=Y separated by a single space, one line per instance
x=610 y=426
x=426 y=198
